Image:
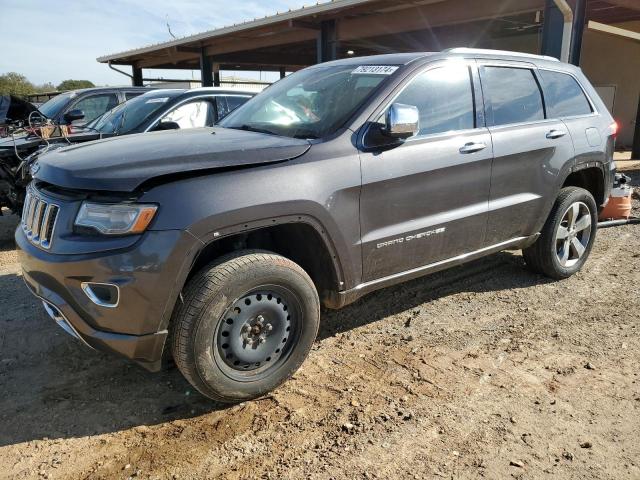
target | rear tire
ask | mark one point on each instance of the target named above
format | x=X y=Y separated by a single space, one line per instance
x=246 y=323
x=567 y=236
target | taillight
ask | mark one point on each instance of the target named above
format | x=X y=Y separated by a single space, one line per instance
x=613 y=129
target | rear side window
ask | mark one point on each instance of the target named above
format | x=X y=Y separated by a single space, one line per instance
x=443 y=97
x=513 y=95
x=564 y=96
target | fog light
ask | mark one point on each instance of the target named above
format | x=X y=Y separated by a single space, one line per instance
x=102 y=294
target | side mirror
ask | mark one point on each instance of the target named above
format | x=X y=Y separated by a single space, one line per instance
x=167 y=125
x=401 y=121
x=73 y=115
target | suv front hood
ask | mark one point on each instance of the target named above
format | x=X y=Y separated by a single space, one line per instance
x=122 y=164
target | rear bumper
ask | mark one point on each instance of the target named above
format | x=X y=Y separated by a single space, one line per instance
x=149 y=277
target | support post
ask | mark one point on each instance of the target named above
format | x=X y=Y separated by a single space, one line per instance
x=206 y=69
x=579 y=21
x=327 y=41
x=552 y=30
x=216 y=75
x=283 y=72
x=635 y=151
x=555 y=34
x=136 y=76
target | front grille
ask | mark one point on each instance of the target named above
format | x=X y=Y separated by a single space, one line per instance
x=39 y=219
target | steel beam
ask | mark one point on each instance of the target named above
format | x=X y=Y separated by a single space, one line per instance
x=206 y=69
x=552 y=30
x=216 y=75
x=579 y=21
x=327 y=41
x=136 y=76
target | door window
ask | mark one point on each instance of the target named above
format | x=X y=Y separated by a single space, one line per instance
x=95 y=105
x=190 y=115
x=563 y=95
x=513 y=95
x=227 y=104
x=443 y=97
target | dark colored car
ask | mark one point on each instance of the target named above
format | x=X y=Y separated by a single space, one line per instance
x=153 y=110
x=221 y=243
x=170 y=109
x=79 y=107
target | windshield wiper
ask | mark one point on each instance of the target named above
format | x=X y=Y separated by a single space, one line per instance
x=251 y=128
x=306 y=135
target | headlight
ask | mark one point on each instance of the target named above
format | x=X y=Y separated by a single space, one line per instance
x=116 y=219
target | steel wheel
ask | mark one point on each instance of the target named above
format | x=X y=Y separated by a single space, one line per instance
x=573 y=234
x=257 y=332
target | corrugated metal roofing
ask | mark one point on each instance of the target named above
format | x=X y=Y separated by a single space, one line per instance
x=260 y=22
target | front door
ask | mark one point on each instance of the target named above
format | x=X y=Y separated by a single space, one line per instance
x=425 y=200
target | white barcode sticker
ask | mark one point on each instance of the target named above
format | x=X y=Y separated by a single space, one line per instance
x=375 y=69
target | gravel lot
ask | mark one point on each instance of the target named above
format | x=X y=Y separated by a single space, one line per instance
x=485 y=370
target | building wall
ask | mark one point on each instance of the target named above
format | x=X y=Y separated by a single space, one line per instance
x=612 y=60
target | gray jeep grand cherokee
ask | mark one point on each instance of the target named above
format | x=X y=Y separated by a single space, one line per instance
x=340 y=179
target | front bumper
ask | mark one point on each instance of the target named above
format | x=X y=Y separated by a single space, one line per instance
x=149 y=275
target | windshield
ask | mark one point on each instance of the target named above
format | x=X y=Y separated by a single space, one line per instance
x=52 y=108
x=312 y=103
x=130 y=115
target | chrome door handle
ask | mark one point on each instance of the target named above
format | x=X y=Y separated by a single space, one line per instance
x=556 y=134
x=472 y=147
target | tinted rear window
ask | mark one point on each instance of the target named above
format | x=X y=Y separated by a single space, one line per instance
x=563 y=95
x=513 y=95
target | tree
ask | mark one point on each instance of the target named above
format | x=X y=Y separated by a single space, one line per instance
x=13 y=83
x=74 y=85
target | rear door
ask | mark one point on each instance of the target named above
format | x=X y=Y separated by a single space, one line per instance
x=530 y=150
x=426 y=199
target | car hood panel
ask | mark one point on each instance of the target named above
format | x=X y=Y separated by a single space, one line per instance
x=121 y=164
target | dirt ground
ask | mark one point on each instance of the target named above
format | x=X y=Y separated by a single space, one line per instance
x=485 y=370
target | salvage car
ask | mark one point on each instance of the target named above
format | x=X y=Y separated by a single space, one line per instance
x=219 y=245
x=79 y=107
x=154 y=110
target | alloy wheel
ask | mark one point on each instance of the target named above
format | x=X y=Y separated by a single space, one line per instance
x=573 y=234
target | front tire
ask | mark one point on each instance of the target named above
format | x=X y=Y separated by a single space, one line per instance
x=567 y=236
x=246 y=324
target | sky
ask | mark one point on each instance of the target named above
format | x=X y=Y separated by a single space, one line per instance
x=54 y=41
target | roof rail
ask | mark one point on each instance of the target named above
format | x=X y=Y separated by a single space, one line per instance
x=488 y=51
